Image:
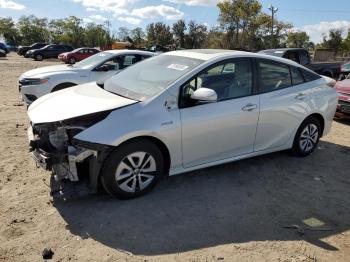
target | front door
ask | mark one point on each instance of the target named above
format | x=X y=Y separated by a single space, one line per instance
x=223 y=129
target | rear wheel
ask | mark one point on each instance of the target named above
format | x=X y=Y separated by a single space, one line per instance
x=307 y=137
x=132 y=170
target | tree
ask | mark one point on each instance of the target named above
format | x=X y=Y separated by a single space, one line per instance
x=9 y=31
x=96 y=35
x=238 y=18
x=248 y=27
x=216 y=39
x=196 y=35
x=159 y=34
x=298 y=39
x=334 y=40
x=33 y=29
x=179 y=29
x=138 y=36
x=345 y=46
x=123 y=34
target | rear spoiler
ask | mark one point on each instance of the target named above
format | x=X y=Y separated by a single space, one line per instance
x=329 y=81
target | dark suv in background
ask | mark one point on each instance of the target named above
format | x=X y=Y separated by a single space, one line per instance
x=49 y=51
x=4 y=48
x=22 y=50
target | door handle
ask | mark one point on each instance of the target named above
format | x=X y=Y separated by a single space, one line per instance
x=249 y=107
x=300 y=96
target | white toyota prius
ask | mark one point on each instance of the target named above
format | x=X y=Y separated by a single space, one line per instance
x=41 y=81
x=178 y=112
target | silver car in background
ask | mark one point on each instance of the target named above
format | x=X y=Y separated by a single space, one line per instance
x=177 y=112
x=44 y=80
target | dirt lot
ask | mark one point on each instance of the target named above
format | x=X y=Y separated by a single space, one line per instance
x=233 y=212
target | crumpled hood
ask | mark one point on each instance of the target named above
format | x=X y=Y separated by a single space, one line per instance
x=48 y=70
x=343 y=86
x=73 y=102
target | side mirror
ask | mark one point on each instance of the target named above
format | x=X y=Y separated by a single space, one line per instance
x=204 y=95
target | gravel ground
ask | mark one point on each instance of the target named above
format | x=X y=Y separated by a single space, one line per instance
x=232 y=212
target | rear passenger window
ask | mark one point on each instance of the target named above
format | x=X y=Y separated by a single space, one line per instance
x=274 y=76
x=309 y=76
x=297 y=78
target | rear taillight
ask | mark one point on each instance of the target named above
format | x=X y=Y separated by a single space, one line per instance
x=332 y=83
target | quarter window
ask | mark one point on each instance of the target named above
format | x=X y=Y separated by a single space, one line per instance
x=228 y=80
x=297 y=77
x=309 y=76
x=274 y=76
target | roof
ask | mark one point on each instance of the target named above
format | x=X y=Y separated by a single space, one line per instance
x=210 y=54
x=128 y=51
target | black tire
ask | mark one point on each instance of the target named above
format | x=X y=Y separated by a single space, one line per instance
x=39 y=57
x=117 y=175
x=71 y=60
x=302 y=137
x=62 y=86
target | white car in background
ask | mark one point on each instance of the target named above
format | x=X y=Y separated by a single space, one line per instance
x=41 y=81
x=178 y=112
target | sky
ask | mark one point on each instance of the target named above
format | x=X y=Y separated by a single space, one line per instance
x=315 y=17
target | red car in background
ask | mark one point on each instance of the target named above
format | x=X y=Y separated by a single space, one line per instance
x=343 y=108
x=77 y=55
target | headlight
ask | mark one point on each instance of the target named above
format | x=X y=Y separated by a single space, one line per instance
x=34 y=81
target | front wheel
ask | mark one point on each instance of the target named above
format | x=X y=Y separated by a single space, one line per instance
x=132 y=169
x=307 y=137
x=39 y=57
x=71 y=61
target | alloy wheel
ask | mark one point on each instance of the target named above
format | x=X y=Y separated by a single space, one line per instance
x=308 y=137
x=135 y=172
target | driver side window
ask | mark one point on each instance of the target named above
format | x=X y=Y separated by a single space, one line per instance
x=114 y=63
x=229 y=80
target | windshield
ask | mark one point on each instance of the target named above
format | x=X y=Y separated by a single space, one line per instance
x=150 y=77
x=94 y=60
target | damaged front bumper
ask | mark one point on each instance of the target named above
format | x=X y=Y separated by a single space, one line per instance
x=63 y=163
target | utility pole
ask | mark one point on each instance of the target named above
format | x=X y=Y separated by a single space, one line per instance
x=108 y=23
x=273 y=12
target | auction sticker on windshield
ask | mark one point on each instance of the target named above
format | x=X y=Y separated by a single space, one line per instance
x=178 y=67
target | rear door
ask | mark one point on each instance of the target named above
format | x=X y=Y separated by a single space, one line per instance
x=223 y=129
x=283 y=102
